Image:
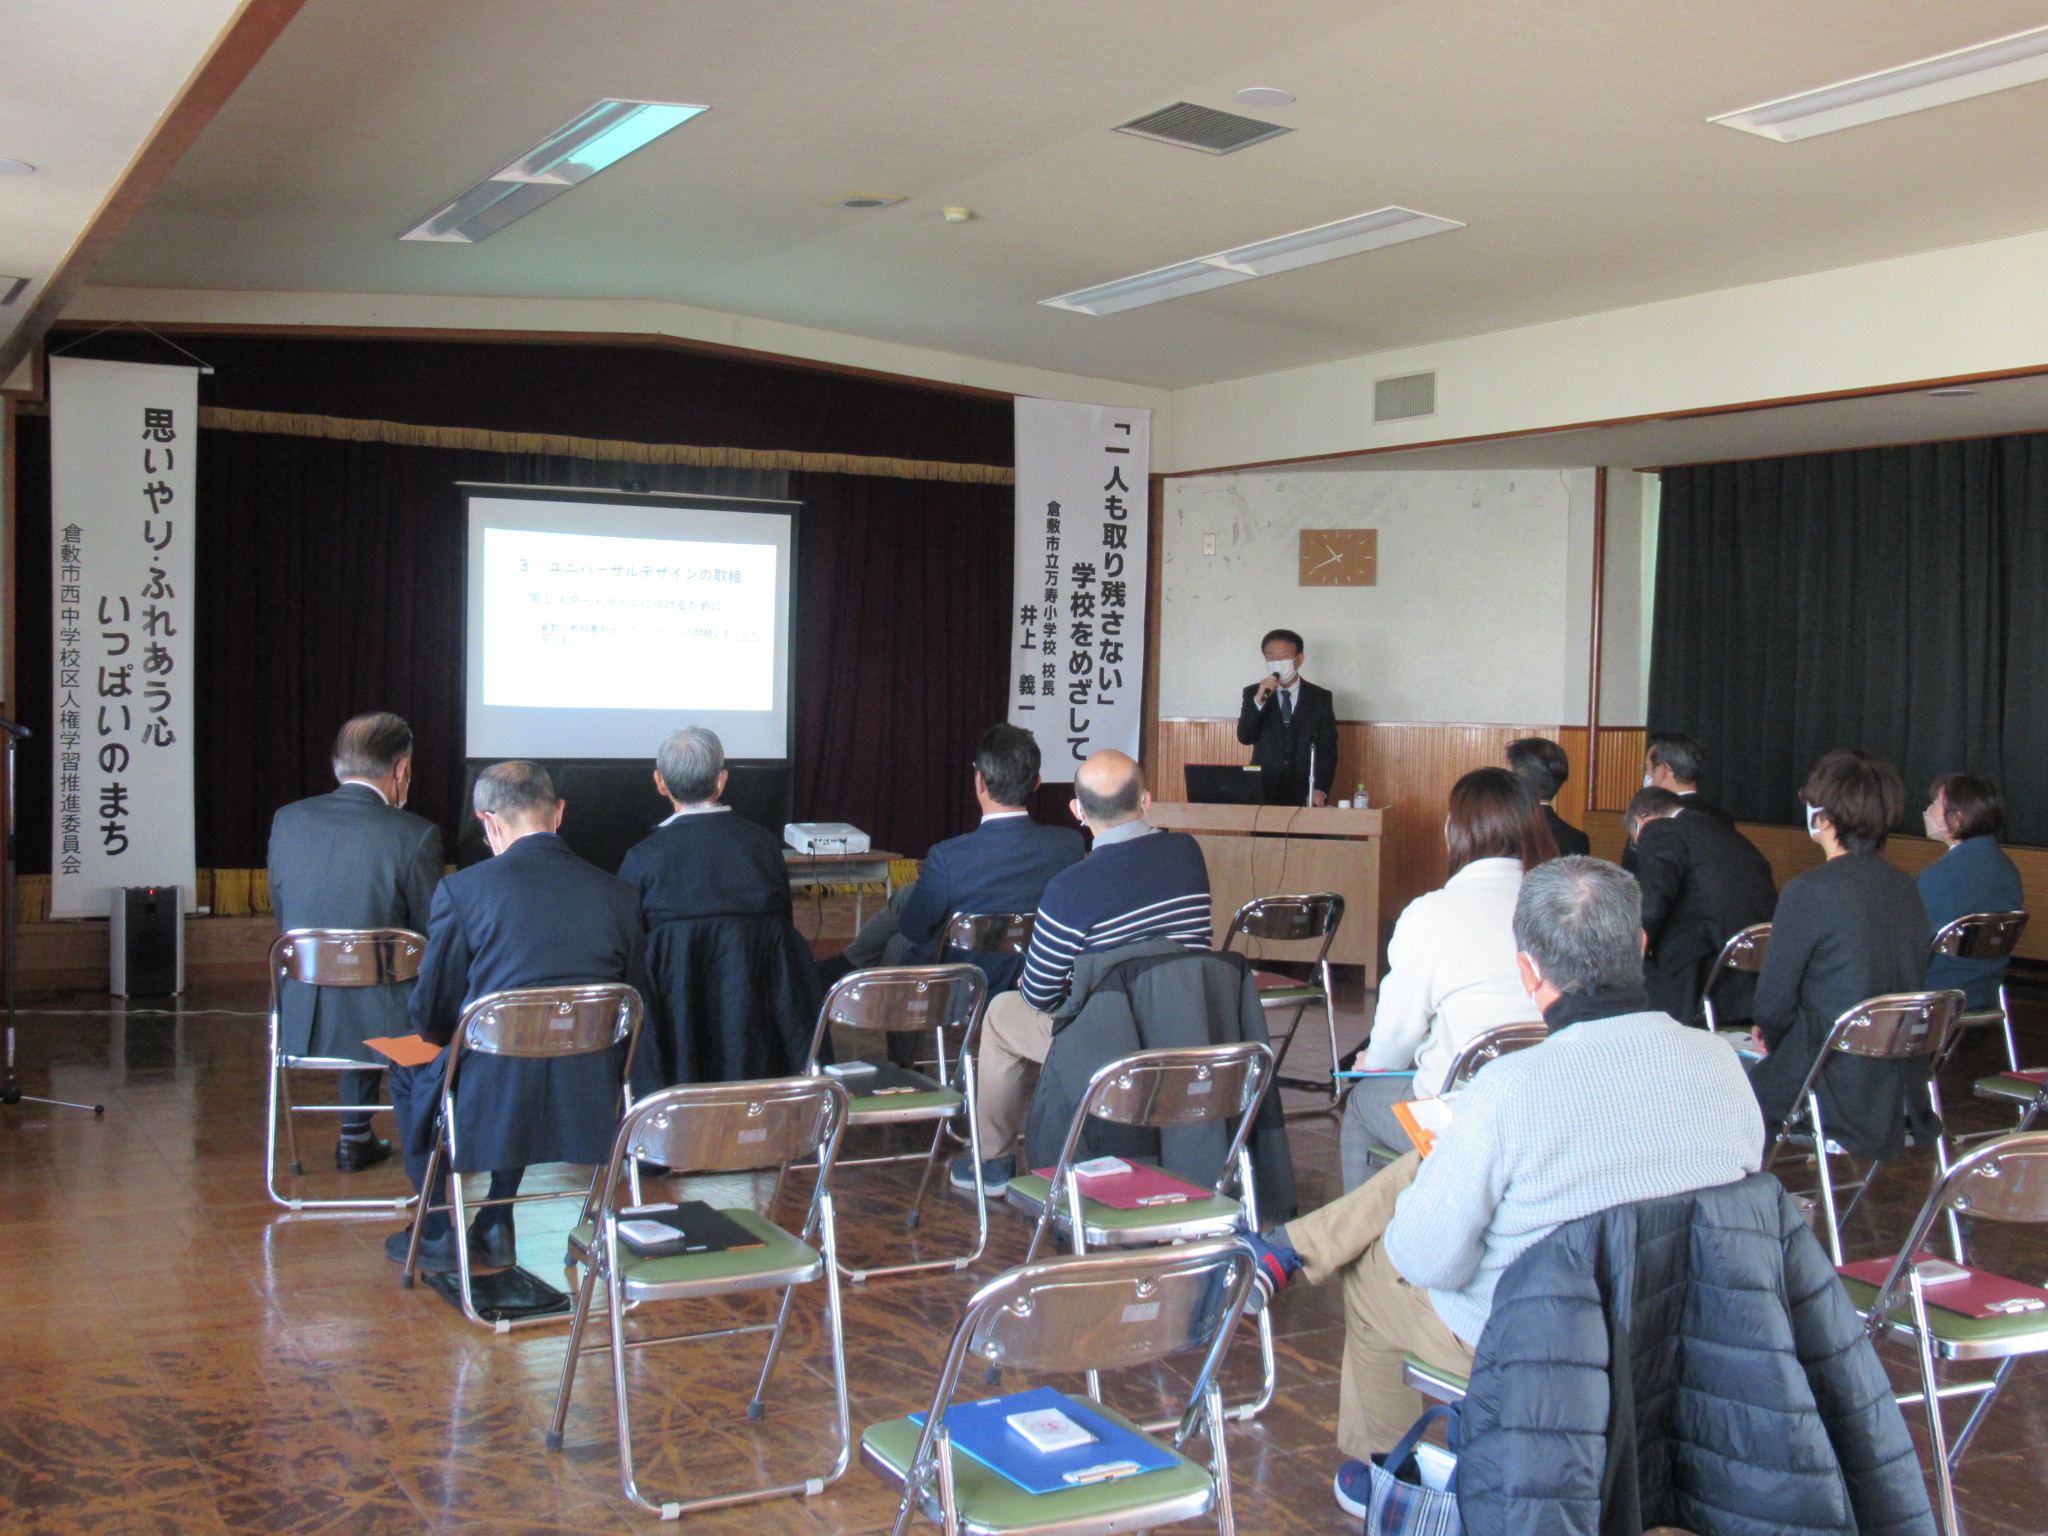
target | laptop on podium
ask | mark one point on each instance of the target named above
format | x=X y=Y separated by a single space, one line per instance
x=1224 y=784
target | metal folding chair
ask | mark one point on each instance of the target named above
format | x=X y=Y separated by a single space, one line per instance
x=327 y=957
x=1191 y=1085
x=2003 y=1180
x=946 y=1003
x=529 y=1022
x=989 y=933
x=1895 y=1027
x=1983 y=936
x=1504 y=1040
x=699 y=1129
x=1296 y=920
x=1744 y=951
x=1082 y=1313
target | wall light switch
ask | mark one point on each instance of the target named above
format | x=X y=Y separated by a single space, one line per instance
x=1208 y=543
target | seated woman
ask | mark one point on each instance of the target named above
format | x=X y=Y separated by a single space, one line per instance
x=1968 y=814
x=1451 y=963
x=1850 y=930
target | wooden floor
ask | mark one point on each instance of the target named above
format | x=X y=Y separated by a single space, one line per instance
x=178 y=1355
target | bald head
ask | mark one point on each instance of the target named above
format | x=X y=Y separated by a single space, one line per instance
x=1109 y=790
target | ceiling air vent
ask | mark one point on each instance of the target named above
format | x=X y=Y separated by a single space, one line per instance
x=1399 y=399
x=1203 y=128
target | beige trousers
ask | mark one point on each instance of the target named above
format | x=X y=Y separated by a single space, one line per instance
x=1385 y=1318
x=1012 y=1033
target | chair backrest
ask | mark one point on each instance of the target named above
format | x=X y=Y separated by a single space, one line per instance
x=724 y=1127
x=1897 y=1026
x=1183 y=1085
x=1491 y=1046
x=1744 y=951
x=1981 y=936
x=2002 y=1180
x=550 y=1021
x=346 y=957
x=990 y=933
x=900 y=998
x=1289 y=919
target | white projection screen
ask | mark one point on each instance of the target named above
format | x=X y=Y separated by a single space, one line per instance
x=598 y=622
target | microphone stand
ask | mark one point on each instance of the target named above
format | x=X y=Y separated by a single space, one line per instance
x=10 y=1085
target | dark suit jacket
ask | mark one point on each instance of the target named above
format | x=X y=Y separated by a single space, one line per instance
x=348 y=860
x=1974 y=876
x=1569 y=839
x=1849 y=930
x=534 y=916
x=1702 y=882
x=1001 y=866
x=1282 y=749
x=1694 y=801
x=732 y=987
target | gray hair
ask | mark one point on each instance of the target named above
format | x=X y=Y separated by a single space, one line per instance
x=518 y=789
x=690 y=761
x=1581 y=920
x=369 y=746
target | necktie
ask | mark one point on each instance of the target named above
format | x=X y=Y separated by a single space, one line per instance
x=1286 y=707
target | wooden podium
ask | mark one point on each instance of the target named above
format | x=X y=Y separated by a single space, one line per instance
x=1302 y=849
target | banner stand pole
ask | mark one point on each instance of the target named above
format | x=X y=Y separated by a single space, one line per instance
x=10 y=1085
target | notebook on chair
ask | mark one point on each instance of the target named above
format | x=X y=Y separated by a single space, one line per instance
x=1976 y=1294
x=982 y=1430
x=1135 y=1187
x=691 y=1227
x=405 y=1050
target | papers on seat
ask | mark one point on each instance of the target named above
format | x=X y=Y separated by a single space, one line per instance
x=664 y=1231
x=1136 y=1187
x=1424 y=1120
x=406 y=1050
x=982 y=1431
x=1976 y=1293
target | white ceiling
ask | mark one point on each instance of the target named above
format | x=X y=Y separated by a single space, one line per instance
x=81 y=88
x=1570 y=135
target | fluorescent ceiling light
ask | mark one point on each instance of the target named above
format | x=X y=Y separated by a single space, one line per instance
x=1305 y=247
x=573 y=153
x=2004 y=62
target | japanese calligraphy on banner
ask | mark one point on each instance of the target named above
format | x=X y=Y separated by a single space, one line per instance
x=124 y=440
x=1078 y=622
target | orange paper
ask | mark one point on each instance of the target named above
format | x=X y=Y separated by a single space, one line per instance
x=406 y=1050
x=1424 y=1120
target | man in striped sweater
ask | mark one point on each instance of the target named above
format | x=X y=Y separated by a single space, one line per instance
x=1137 y=883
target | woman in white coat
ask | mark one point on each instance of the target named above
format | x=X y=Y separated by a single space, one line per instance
x=1451 y=971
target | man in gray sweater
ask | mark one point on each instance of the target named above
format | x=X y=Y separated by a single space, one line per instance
x=1620 y=1104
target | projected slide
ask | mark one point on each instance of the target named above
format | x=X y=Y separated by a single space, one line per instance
x=597 y=624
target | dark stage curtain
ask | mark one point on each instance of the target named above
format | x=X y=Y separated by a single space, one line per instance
x=330 y=582
x=1884 y=598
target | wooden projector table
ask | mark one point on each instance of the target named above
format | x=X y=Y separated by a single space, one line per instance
x=1300 y=850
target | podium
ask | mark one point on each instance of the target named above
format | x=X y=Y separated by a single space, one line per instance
x=1296 y=849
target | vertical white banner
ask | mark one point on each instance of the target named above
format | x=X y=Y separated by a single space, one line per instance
x=1078 y=616
x=124 y=440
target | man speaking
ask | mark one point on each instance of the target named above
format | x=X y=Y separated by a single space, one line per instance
x=1289 y=723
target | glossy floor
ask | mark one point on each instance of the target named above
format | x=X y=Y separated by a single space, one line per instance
x=178 y=1355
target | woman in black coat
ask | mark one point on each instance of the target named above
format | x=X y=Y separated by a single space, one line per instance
x=1850 y=930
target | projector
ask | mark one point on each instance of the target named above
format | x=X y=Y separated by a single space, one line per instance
x=825 y=837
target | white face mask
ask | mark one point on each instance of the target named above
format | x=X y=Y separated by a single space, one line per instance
x=1284 y=667
x=1649 y=781
x=1813 y=815
x=1934 y=821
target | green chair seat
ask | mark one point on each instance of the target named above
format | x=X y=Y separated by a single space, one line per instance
x=1953 y=1327
x=780 y=1260
x=2009 y=1090
x=1434 y=1380
x=1107 y=1224
x=988 y=1501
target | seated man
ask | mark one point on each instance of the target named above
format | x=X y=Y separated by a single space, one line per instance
x=1620 y=1104
x=535 y=915
x=1138 y=883
x=353 y=858
x=1541 y=764
x=1001 y=866
x=732 y=988
x=1703 y=882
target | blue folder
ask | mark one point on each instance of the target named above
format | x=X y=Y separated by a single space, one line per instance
x=978 y=1430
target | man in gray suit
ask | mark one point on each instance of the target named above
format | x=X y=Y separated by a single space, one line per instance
x=354 y=859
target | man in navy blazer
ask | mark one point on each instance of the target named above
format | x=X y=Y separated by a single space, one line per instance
x=1001 y=866
x=535 y=915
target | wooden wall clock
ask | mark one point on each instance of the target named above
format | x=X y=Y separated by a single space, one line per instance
x=1339 y=557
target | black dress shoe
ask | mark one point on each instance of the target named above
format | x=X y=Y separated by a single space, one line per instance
x=354 y=1155
x=436 y=1253
x=493 y=1247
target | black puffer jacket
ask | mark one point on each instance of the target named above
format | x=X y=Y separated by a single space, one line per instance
x=1747 y=1400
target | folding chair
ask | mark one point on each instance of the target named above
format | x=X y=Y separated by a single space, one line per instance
x=946 y=1002
x=1296 y=919
x=535 y=1023
x=327 y=957
x=989 y=933
x=1503 y=1040
x=1983 y=936
x=1190 y=1085
x=714 y=1128
x=1895 y=1027
x=1744 y=951
x=2003 y=1180
x=1081 y=1313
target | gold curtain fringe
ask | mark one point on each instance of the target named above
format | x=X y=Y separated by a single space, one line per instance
x=288 y=424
